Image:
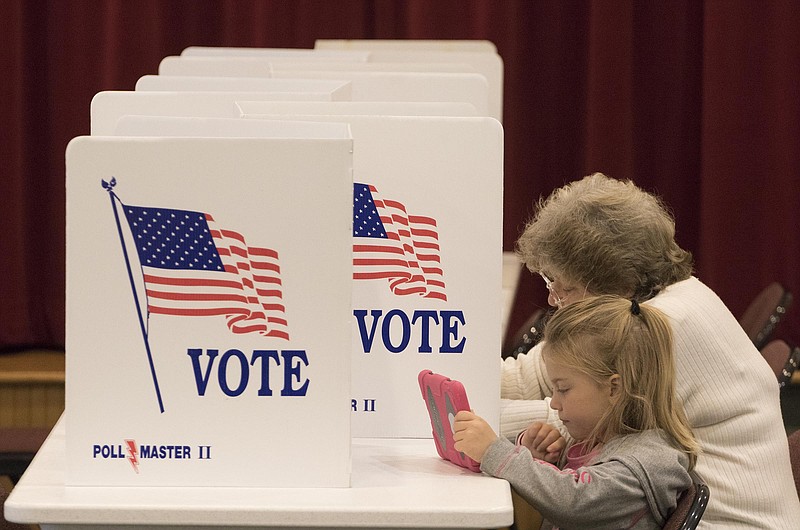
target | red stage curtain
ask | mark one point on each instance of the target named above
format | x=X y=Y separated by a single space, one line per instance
x=697 y=101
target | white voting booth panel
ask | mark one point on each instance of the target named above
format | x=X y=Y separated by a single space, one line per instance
x=480 y=55
x=443 y=176
x=359 y=108
x=405 y=44
x=108 y=107
x=286 y=89
x=290 y=54
x=374 y=67
x=197 y=354
x=256 y=65
x=512 y=268
x=388 y=413
x=320 y=63
x=481 y=59
x=467 y=87
x=296 y=69
x=407 y=86
x=167 y=126
x=489 y=65
x=386 y=401
x=334 y=46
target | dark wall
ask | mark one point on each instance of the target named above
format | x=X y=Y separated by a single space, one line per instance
x=694 y=100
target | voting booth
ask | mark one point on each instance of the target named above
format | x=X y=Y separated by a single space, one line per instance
x=238 y=271
x=444 y=165
x=415 y=306
x=197 y=354
x=265 y=247
x=108 y=106
x=469 y=87
x=419 y=56
x=464 y=45
x=274 y=89
x=427 y=277
x=356 y=108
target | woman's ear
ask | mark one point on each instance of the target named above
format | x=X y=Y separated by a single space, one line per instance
x=614 y=385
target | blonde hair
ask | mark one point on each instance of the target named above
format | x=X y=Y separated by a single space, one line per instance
x=607 y=235
x=605 y=335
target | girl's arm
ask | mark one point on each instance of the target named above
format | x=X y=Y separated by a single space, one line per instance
x=602 y=496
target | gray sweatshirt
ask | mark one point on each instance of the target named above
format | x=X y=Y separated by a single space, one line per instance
x=633 y=483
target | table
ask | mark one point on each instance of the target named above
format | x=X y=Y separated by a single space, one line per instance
x=395 y=483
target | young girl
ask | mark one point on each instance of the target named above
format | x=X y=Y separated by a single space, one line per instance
x=610 y=363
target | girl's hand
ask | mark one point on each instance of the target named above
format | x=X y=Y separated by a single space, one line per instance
x=472 y=435
x=544 y=441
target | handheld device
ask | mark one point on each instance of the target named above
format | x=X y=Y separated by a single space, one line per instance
x=444 y=397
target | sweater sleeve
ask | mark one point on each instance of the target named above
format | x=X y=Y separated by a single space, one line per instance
x=517 y=414
x=525 y=392
x=525 y=376
x=599 y=496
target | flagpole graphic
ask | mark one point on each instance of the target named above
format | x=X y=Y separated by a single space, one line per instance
x=191 y=267
x=109 y=187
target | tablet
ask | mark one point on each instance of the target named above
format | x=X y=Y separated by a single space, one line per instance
x=444 y=397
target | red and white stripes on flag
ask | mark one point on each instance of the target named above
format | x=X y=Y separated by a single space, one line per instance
x=391 y=244
x=193 y=268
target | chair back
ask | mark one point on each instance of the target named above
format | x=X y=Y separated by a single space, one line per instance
x=691 y=505
x=782 y=358
x=526 y=336
x=765 y=312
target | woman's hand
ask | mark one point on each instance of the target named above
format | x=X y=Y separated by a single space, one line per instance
x=472 y=435
x=544 y=441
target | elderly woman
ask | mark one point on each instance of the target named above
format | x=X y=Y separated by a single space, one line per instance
x=603 y=236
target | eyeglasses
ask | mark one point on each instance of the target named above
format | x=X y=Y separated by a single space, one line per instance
x=549 y=284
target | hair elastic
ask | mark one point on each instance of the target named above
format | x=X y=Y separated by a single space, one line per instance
x=635 y=308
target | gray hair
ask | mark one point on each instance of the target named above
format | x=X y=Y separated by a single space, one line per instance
x=607 y=235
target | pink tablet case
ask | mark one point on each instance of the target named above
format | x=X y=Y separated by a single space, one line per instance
x=444 y=397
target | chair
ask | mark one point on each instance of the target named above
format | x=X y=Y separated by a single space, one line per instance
x=527 y=335
x=765 y=312
x=794 y=457
x=783 y=359
x=526 y=517
x=691 y=505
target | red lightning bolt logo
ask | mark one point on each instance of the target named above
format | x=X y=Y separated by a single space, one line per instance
x=132 y=452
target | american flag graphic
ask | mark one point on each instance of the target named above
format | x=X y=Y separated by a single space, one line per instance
x=392 y=245
x=193 y=268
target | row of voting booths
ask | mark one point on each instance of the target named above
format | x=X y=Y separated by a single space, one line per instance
x=266 y=246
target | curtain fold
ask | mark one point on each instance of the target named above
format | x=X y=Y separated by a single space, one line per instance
x=750 y=186
x=696 y=101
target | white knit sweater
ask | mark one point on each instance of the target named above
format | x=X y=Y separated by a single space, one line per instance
x=731 y=398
